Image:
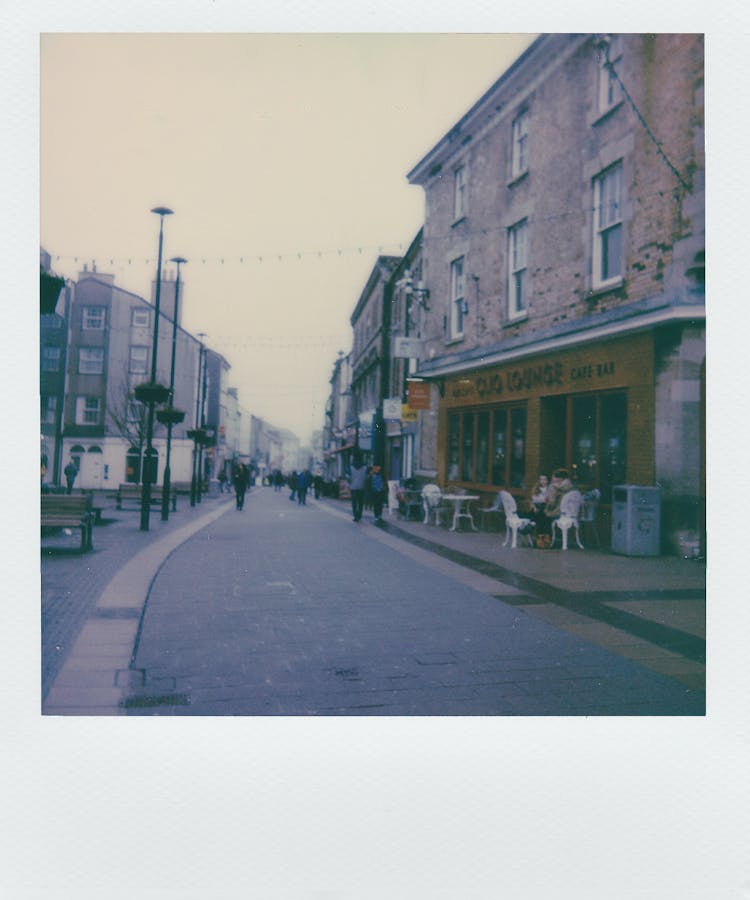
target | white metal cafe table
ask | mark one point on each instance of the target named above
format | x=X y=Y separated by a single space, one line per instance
x=461 y=508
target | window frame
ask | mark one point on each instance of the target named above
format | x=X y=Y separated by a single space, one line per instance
x=48 y=409
x=51 y=358
x=608 y=90
x=516 y=311
x=87 y=405
x=460 y=193
x=458 y=298
x=135 y=312
x=519 y=157
x=602 y=231
x=135 y=371
x=93 y=366
x=503 y=417
x=91 y=315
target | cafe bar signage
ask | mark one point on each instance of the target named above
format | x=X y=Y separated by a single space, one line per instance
x=529 y=378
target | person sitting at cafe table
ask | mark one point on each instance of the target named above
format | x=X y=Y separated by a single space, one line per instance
x=539 y=494
x=558 y=487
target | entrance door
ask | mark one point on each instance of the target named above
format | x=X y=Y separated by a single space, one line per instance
x=93 y=470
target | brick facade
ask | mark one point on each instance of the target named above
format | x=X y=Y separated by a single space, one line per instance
x=564 y=210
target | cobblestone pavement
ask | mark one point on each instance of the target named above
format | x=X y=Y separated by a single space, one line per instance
x=287 y=610
x=71 y=581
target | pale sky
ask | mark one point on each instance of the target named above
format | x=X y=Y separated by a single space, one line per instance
x=265 y=146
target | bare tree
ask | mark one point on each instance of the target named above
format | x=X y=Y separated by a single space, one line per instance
x=126 y=415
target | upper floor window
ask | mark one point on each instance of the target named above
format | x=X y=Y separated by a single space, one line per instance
x=93 y=318
x=138 y=360
x=609 y=92
x=608 y=250
x=140 y=318
x=520 y=154
x=459 y=193
x=50 y=359
x=91 y=360
x=48 y=408
x=517 y=269
x=458 y=302
x=87 y=410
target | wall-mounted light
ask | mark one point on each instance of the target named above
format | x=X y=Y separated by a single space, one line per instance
x=420 y=293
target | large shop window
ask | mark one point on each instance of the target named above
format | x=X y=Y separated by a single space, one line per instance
x=488 y=447
x=593 y=440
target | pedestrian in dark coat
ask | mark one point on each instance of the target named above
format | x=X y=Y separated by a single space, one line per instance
x=70 y=471
x=377 y=492
x=293 y=486
x=303 y=483
x=240 y=481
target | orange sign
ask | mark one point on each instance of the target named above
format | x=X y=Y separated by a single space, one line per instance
x=419 y=395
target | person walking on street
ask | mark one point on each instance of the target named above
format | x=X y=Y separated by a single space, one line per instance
x=357 y=479
x=240 y=482
x=70 y=471
x=303 y=482
x=293 y=486
x=222 y=480
x=377 y=491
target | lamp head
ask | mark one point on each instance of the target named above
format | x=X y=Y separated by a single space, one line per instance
x=162 y=211
x=178 y=259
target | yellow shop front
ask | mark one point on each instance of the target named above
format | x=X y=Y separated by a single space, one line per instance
x=589 y=409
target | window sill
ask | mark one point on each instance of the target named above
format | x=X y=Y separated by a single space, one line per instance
x=602 y=289
x=517 y=179
x=605 y=114
x=454 y=340
x=458 y=221
x=516 y=320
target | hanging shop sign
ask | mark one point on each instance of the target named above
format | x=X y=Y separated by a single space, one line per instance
x=408 y=414
x=407 y=348
x=419 y=395
x=365 y=429
x=392 y=408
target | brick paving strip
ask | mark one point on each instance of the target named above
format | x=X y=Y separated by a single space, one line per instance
x=624 y=622
x=96 y=674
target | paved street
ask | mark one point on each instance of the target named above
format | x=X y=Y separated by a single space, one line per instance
x=288 y=610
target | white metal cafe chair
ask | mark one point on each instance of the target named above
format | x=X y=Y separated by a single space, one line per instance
x=513 y=522
x=570 y=508
x=495 y=509
x=432 y=502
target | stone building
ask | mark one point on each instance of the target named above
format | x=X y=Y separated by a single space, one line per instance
x=563 y=251
x=370 y=358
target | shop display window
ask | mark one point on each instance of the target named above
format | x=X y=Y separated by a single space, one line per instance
x=597 y=450
x=488 y=447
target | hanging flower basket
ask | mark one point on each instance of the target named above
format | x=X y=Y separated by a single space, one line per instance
x=198 y=435
x=151 y=392
x=170 y=416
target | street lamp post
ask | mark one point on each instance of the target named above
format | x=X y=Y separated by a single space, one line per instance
x=171 y=415
x=196 y=431
x=160 y=211
x=204 y=440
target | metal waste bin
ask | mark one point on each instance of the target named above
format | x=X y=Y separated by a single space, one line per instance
x=636 y=520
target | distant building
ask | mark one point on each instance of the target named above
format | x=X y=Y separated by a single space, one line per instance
x=109 y=347
x=370 y=358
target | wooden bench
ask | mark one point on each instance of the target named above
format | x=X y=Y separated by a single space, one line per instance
x=127 y=492
x=69 y=511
